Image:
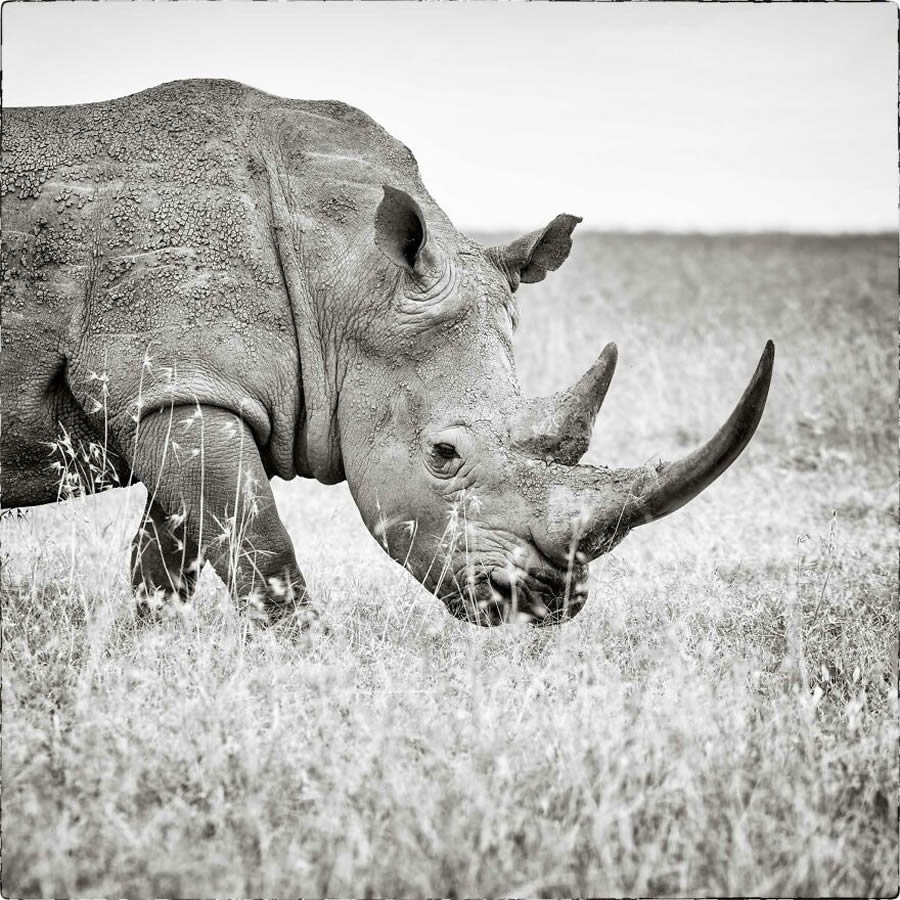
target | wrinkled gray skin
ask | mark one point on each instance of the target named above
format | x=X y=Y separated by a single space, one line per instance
x=217 y=286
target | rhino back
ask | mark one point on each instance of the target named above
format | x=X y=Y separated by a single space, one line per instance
x=133 y=210
x=130 y=214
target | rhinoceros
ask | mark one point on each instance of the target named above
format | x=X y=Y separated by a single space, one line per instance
x=205 y=286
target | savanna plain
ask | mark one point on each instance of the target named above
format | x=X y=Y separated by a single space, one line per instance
x=721 y=719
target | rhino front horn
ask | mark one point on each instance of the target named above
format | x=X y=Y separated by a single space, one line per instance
x=616 y=501
x=678 y=482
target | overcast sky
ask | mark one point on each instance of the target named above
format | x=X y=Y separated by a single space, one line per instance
x=677 y=116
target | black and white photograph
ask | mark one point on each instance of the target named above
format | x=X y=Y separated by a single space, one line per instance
x=449 y=449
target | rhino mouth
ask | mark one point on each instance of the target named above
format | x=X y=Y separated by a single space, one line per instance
x=509 y=595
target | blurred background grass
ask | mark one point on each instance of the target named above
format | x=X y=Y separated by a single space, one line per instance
x=721 y=718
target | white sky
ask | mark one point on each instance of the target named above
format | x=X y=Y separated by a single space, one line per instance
x=676 y=116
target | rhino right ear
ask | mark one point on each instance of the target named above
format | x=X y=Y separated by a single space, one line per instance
x=530 y=257
x=400 y=231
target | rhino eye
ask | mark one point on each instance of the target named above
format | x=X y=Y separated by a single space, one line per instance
x=445 y=451
x=443 y=459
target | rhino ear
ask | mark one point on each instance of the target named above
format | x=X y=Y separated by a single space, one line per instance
x=530 y=257
x=400 y=231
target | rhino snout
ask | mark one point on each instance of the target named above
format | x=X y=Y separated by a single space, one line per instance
x=526 y=588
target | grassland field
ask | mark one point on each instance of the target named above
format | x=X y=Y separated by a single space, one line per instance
x=721 y=719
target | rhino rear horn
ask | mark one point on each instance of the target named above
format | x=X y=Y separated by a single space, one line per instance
x=530 y=257
x=400 y=230
x=559 y=427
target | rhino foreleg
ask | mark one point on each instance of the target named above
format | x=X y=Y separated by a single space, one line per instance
x=164 y=559
x=210 y=499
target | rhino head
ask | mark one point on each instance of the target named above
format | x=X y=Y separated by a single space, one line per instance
x=475 y=489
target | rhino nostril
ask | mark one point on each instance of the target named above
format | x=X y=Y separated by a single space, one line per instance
x=512 y=587
x=502 y=582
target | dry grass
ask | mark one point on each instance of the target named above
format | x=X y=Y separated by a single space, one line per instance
x=721 y=719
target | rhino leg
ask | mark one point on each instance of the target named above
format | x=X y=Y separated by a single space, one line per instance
x=164 y=559
x=203 y=471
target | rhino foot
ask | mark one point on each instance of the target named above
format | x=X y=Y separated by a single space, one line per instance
x=283 y=603
x=301 y=623
x=151 y=606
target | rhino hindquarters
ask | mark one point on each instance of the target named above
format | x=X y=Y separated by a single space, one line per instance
x=208 y=489
x=49 y=447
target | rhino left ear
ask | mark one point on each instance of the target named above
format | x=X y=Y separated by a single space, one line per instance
x=530 y=258
x=400 y=231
